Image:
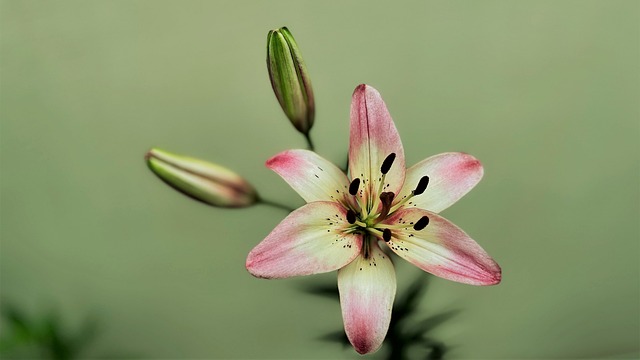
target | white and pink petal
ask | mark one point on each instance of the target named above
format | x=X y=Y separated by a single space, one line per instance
x=367 y=289
x=441 y=248
x=310 y=175
x=310 y=240
x=451 y=176
x=373 y=138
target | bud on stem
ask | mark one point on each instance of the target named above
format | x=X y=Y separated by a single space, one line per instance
x=290 y=80
x=203 y=181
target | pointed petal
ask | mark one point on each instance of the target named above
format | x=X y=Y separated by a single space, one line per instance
x=367 y=289
x=451 y=176
x=310 y=175
x=373 y=137
x=310 y=240
x=441 y=248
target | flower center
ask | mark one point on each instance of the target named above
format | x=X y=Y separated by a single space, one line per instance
x=367 y=209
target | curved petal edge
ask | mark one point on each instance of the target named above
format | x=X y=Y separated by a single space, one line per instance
x=367 y=290
x=310 y=240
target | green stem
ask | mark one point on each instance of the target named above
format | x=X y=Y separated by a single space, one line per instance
x=346 y=165
x=275 y=204
x=309 y=142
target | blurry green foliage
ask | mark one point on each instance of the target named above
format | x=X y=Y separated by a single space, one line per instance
x=47 y=337
x=408 y=336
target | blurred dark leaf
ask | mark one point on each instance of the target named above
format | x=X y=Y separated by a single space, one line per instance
x=337 y=336
x=436 y=351
x=45 y=335
x=410 y=300
x=55 y=345
x=407 y=303
x=405 y=333
x=86 y=334
x=325 y=290
x=15 y=318
x=419 y=329
x=19 y=331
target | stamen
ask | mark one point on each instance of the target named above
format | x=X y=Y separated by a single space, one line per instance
x=421 y=224
x=386 y=164
x=422 y=185
x=353 y=188
x=386 y=235
x=351 y=216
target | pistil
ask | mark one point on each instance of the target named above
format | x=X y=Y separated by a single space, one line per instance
x=386 y=198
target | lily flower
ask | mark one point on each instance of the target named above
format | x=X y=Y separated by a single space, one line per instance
x=348 y=218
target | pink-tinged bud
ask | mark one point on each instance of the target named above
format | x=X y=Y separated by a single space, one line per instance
x=200 y=180
x=290 y=80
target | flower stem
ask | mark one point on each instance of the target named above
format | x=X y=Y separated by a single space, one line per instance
x=346 y=164
x=275 y=204
x=309 y=142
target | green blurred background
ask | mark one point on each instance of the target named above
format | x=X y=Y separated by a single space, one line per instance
x=544 y=93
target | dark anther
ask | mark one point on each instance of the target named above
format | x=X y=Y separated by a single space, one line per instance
x=386 y=164
x=353 y=188
x=386 y=235
x=351 y=216
x=422 y=185
x=421 y=224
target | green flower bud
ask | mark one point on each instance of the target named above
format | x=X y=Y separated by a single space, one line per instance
x=289 y=79
x=203 y=181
